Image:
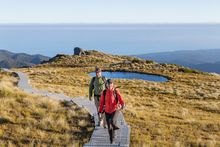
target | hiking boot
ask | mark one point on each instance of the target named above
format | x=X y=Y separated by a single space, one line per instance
x=113 y=135
x=113 y=141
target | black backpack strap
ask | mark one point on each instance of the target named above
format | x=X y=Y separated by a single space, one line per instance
x=115 y=95
x=116 y=98
x=104 y=94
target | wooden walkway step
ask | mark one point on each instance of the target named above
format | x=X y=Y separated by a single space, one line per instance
x=100 y=137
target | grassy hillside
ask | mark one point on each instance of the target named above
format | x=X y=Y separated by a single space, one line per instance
x=184 y=111
x=27 y=120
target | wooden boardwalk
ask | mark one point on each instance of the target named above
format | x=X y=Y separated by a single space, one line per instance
x=100 y=137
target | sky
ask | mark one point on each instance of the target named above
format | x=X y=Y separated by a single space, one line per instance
x=109 y=11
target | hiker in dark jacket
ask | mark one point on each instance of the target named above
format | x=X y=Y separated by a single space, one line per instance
x=111 y=101
x=97 y=84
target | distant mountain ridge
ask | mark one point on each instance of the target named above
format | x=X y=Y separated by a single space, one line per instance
x=10 y=60
x=204 y=60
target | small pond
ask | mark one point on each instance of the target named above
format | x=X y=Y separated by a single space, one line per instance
x=131 y=75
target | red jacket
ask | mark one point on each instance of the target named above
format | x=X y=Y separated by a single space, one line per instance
x=110 y=101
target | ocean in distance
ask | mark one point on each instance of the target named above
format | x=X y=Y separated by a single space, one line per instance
x=119 y=39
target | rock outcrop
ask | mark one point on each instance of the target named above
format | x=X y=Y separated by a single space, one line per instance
x=79 y=51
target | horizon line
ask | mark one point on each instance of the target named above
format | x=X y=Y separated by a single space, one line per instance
x=168 y=51
x=107 y=23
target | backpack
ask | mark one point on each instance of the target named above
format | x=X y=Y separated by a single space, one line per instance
x=103 y=79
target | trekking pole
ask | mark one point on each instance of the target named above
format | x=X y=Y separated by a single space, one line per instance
x=120 y=128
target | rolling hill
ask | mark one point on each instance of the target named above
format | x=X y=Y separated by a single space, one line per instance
x=204 y=60
x=9 y=59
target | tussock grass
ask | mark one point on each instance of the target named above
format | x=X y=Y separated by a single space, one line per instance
x=181 y=112
x=27 y=120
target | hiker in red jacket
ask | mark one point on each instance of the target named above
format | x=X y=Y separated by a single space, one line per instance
x=110 y=101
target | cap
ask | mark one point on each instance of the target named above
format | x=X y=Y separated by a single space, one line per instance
x=109 y=81
x=97 y=69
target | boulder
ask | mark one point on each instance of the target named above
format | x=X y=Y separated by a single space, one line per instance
x=78 y=51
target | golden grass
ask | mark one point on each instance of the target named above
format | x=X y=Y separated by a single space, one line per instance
x=27 y=120
x=182 y=112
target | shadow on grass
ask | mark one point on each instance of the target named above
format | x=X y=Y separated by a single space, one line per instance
x=5 y=121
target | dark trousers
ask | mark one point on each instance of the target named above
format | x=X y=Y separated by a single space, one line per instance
x=110 y=123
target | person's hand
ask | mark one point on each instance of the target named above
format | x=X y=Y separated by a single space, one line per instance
x=118 y=107
x=122 y=106
x=99 y=115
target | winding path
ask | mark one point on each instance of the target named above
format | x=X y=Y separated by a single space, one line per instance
x=100 y=137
